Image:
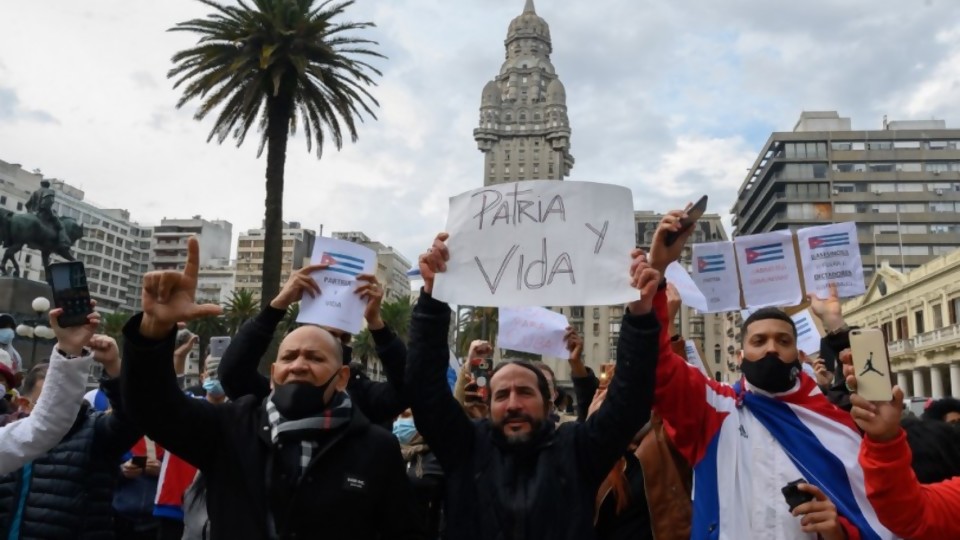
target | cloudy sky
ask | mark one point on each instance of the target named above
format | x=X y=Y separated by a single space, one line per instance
x=672 y=99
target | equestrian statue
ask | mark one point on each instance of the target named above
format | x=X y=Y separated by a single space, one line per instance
x=40 y=228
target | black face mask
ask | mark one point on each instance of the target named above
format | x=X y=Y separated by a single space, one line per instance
x=299 y=400
x=770 y=373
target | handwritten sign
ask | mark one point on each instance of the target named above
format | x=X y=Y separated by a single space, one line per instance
x=688 y=290
x=831 y=254
x=715 y=273
x=768 y=269
x=539 y=243
x=808 y=336
x=338 y=306
x=534 y=330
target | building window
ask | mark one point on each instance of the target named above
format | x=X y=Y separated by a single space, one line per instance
x=19 y=206
x=3 y=200
x=954 y=307
x=902 y=331
x=596 y=329
x=596 y=313
x=918 y=319
x=937 y=316
x=887 y=330
x=716 y=354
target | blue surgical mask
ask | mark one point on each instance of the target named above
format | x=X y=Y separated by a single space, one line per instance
x=6 y=335
x=213 y=387
x=404 y=430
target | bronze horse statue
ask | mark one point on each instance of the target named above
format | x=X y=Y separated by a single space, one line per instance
x=18 y=230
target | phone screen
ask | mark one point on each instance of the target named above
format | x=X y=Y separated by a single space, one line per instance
x=69 y=283
x=480 y=369
x=871 y=364
x=218 y=346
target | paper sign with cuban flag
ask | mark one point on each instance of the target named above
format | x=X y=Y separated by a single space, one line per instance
x=715 y=273
x=808 y=336
x=831 y=254
x=338 y=306
x=768 y=269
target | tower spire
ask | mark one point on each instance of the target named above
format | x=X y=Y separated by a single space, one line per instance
x=528 y=8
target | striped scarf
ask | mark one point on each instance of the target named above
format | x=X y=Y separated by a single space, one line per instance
x=338 y=413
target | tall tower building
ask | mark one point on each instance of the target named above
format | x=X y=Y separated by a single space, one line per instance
x=524 y=131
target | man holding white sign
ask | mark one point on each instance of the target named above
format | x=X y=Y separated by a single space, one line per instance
x=517 y=473
x=539 y=243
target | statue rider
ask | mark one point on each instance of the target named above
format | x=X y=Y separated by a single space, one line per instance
x=41 y=205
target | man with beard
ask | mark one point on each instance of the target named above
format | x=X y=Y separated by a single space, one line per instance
x=748 y=441
x=517 y=475
x=302 y=463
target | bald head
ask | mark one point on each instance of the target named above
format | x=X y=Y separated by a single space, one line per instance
x=313 y=338
x=309 y=354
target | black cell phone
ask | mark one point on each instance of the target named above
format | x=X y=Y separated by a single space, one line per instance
x=139 y=461
x=480 y=369
x=70 y=293
x=793 y=495
x=693 y=214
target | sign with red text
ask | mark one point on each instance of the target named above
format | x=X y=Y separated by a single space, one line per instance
x=539 y=243
x=831 y=254
x=768 y=269
x=534 y=330
x=714 y=270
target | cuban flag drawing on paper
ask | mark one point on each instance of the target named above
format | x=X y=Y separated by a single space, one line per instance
x=711 y=263
x=765 y=253
x=343 y=264
x=829 y=240
x=803 y=327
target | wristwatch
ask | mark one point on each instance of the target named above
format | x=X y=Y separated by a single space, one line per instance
x=83 y=353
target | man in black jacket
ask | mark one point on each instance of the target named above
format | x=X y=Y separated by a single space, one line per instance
x=517 y=476
x=68 y=492
x=303 y=463
x=379 y=402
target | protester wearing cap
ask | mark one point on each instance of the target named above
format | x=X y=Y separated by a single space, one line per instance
x=8 y=331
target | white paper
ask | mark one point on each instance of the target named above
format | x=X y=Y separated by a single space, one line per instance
x=539 y=243
x=768 y=269
x=688 y=290
x=808 y=336
x=831 y=254
x=715 y=273
x=534 y=330
x=338 y=306
x=693 y=356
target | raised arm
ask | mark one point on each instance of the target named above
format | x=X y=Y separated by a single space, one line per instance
x=187 y=427
x=238 y=366
x=438 y=416
x=603 y=438
x=115 y=432
x=56 y=410
x=585 y=383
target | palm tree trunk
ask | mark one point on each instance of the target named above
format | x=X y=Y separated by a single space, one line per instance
x=279 y=109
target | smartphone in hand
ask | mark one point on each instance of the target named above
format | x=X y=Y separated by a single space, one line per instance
x=871 y=364
x=693 y=214
x=480 y=369
x=139 y=461
x=793 y=495
x=218 y=346
x=70 y=293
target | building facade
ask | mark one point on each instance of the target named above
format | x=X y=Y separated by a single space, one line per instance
x=392 y=266
x=215 y=282
x=918 y=314
x=169 y=243
x=297 y=249
x=524 y=131
x=901 y=184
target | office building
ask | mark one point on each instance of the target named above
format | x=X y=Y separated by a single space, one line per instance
x=524 y=131
x=918 y=314
x=297 y=249
x=900 y=183
x=215 y=282
x=391 y=265
x=169 y=243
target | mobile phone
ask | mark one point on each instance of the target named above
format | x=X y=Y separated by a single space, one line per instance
x=480 y=369
x=218 y=346
x=139 y=461
x=693 y=214
x=70 y=293
x=183 y=336
x=606 y=373
x=793 y=495
x=871 y=364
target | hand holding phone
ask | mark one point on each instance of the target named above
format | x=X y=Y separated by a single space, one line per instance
x=139 y=461
x=480 y=370
x=871 y=364
x=693 y=214
x=606 y=373
x=793 y=495
x=70 y=293
x=218 y=346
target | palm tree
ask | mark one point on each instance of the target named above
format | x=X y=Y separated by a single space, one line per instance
x=476 y=323
x=112 y=324
x=241 y=307
x=289 y=322
x=363 y=347
x=396 y=315
x=279 y=64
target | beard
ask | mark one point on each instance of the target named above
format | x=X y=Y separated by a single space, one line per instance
x=518 y=438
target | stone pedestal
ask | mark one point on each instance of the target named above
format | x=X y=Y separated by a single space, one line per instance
x=16 y=297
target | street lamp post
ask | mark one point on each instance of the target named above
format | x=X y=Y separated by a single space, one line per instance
x=35 y=328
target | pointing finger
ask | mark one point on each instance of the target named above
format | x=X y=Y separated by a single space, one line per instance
x=193 y=258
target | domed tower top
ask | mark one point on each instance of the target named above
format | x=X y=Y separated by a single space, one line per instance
x=529 y=25
x=556 y=93
x=491 y=95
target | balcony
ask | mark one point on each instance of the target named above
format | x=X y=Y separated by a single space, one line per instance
x=897 y=348
x=937 y=338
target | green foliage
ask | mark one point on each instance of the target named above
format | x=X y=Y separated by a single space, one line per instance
x=112 y=324
x=242 y=306
x=476 y=323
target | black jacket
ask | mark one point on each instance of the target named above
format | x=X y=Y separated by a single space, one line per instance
x=355 y=487
x=585 y=389
x=379 y=402
x=70 y=489
x=548 y=491
x=633 y=522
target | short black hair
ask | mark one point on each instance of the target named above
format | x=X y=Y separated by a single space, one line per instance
x=45 y=183
x=935 y=446
x=542 y=383
x=763 y=314
x=33 y=377
x=938 y=409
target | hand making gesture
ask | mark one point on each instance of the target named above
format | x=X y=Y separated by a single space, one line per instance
x=170 y=296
